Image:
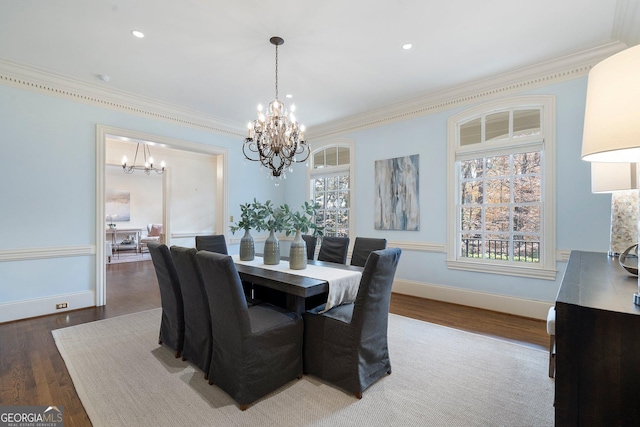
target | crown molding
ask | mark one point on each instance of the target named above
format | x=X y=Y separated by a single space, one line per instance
x=626 y=22
x=524 y=79
x=37 y=80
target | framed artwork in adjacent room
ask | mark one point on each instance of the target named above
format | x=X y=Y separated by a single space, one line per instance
x=118 y=205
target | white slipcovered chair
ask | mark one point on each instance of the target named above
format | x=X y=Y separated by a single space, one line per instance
x=154 y=235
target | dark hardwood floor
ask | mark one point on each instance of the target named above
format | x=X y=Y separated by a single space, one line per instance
x=32 y=371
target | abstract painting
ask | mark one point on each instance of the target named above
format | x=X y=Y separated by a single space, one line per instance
x=117 y=206
x=396 y=200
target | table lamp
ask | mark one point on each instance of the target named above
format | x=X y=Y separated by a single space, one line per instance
x=612 y=112
x=620 y=180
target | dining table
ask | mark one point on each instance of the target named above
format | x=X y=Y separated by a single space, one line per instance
x=339 y=281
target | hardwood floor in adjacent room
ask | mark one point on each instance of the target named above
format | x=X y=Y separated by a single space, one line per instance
x=32 y=371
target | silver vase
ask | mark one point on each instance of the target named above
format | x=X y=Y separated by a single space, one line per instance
x=247 y=248
x=298 y=253
x=272 y=250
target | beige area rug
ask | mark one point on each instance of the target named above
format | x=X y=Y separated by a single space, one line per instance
x=441 y=377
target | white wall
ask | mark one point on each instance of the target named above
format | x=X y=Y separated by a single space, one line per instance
x=145 y=196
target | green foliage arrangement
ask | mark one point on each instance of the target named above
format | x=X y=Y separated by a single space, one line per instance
x=248 y=217
x=270 y=217
x=303 y=220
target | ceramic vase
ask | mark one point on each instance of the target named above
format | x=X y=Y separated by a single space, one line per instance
x=272 y=250
x=298 y=253
x=247 y=247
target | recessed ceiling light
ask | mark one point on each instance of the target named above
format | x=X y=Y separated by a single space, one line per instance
x=138 y=34
x=289 y=96
x=104 y=77
x=407 y=46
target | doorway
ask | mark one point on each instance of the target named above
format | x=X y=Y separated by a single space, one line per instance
x=175 y=201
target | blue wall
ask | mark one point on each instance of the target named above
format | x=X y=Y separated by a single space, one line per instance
x=48 y=180
x=47 y=190
x=582 y=218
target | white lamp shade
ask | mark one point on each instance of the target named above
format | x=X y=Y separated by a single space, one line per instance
x=612 y=114
x=609 y=177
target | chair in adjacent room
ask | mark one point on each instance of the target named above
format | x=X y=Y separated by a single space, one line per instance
x=334 y=249
x=363 y=246
x=197 y=319
x=347 y=345
x=172 y=323
x=214 y=243
x=257 y=349
x=154 y=235
x=311 y=242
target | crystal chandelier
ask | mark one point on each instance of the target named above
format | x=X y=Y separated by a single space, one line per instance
x=148 y=162
x=276 y=137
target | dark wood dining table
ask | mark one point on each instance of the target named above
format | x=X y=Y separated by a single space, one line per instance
x=298 y=289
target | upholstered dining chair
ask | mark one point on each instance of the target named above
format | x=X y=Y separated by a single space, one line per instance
x=257 y=349
x=363 y=246
x=347 y=345
x=213 y=243
x=311 y=242
x=172 y=323
x=334 y=249
x=197 y=319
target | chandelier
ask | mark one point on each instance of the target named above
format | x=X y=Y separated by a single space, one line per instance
x=276 y=137
x=147 y=167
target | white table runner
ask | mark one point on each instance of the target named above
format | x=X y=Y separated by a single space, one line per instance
x=343 y=284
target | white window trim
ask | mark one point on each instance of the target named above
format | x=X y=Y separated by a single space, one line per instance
x=323 y=145
x=546 y=268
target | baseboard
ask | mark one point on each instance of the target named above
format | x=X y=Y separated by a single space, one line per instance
x=518 y=306
x=42 y=306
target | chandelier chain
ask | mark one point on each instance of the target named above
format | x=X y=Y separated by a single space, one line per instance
x=276 y=71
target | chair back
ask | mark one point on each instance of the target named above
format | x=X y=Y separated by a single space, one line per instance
x=227 y=303
x=311 y=242
x=172 y=326
x=197 y=319
x=214 y=243
x=334 y=249
x=371 y=307
x=363 y=246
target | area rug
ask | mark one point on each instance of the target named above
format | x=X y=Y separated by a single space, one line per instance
x=441 y=377
x=129 y=256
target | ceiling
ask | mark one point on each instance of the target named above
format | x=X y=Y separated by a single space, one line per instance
x=340 y=58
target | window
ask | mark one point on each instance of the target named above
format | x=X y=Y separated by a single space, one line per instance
x=501 y=181
x=331 y=189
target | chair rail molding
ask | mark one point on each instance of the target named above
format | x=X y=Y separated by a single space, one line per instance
x=43 y=253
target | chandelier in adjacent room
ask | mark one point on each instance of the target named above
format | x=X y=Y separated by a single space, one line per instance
x=147 y=167
x=276 y=137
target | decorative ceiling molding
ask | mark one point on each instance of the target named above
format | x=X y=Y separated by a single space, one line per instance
x=554 y=71
x=626 y=24
x=41 y=81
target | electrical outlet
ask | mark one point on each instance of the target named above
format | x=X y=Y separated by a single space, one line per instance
x=61 y=305
x=231 y=218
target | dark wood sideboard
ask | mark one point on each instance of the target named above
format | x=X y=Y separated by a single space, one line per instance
x=597 y=344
